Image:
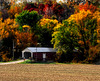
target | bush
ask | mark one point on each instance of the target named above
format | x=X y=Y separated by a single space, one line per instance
x=5 y=57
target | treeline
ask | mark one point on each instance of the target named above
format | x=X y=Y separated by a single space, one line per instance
x=71 y=28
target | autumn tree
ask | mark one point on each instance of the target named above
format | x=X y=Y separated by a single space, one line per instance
x=76 y=32
x=47 y=9
x=0 y=14
x=7 y=28
x=66 y=11
x=10 y=34
x=7 y=36
x=31 y=6
x=4 y=6
x=87 y=28
x=96 y=3
x=97 y=16
x=64 y=39
x=14 y=10
x=25 y=39
x=45 y=28
x=86 y=7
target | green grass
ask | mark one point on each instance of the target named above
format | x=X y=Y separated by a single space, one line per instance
x=30 y=62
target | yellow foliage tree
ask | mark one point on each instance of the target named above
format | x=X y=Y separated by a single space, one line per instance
x=46 y=29
x=48 y=23
x=79 y=30
x=7 y=35
x=82 y=23
x=80 y=16
x=7 y=28
x=97 y=16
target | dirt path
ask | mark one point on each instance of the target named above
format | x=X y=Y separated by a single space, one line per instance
x=49 y=72
x=14 y=62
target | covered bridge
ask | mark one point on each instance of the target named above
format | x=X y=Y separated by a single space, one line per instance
x=39 y=53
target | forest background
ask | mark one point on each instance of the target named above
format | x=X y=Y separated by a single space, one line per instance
x=65 y=26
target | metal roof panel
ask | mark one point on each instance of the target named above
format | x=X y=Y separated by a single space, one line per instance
x=39 y=49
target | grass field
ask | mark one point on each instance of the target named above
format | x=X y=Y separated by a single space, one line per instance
x=50 y=72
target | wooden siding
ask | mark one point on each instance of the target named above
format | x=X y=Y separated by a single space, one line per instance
x=39 y=56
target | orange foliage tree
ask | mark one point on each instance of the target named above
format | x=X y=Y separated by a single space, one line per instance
x=25 y=39
x=86 y=7
x=7 y=34
x=7 y=28
x=14 y=10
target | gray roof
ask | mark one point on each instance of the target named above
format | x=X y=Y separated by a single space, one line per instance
x=39 y=49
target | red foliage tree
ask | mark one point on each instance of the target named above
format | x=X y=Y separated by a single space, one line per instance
x=86 y=7
x=41 y=7
x=57 y=9
x=46 y=9
x=31 y=7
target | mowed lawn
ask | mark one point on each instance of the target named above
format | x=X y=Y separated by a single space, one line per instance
x=50 y=72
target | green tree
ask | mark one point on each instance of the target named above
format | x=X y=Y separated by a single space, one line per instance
x=65 y=39
x=28 y=18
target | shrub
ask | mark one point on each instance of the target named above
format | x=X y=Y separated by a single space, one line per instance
x=5 y=56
